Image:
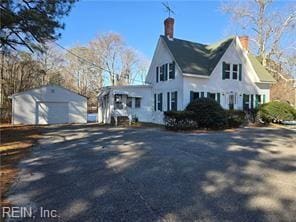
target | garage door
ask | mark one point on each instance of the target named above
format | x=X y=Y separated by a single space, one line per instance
x=52 y=112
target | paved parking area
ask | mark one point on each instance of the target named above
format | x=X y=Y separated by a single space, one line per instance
x=90 y=173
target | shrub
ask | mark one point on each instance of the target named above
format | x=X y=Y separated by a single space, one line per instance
x=179 y=120
x=235 y=118
x=207 y=113
x=276 y=111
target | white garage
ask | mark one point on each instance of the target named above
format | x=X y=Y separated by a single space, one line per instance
x=48 y=104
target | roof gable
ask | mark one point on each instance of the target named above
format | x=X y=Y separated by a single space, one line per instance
x=196 y=58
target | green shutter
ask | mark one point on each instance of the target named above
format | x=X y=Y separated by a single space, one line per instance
x=157 y=71
x=191 y=96
x=240 y=72
x=223 y=70
x=256 y=101
x=252 y=101
x=160 y=108
x=165 y=72
x=154 y=102
x=208 y=95
x=218 y=98
x=264 y=98
x=176 y=95
x=168 y=101
x=174 y=68
x=202 y=94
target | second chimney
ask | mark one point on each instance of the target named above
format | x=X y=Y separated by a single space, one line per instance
x=244 y=41
x=169 y=28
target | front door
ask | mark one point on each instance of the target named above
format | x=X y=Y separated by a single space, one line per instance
x=231 y=102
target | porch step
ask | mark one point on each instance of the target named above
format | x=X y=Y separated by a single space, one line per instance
x=121 y=121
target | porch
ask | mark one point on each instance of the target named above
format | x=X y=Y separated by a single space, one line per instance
x=123 y=103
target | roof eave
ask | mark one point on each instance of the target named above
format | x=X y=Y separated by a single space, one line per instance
x=269 y=82
x=196 y=75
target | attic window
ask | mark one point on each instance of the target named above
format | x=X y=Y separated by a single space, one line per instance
x=234 y=71
x=226 y=70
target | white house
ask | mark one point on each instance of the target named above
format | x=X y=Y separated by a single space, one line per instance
x=48 y=104
x=182 y=71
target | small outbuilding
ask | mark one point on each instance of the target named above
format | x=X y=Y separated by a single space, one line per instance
x=49 y=104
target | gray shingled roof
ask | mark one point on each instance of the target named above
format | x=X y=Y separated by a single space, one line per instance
x=196 y=58
x=262 y=73
x=200 y=59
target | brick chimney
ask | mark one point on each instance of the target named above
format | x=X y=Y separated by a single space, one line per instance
x=244 y=41
x=169 y=28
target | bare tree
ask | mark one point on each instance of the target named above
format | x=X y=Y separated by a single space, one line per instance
x=109 y=47
x=52 y=62
x=119 y=62
x=19 y=72
x=270 y=30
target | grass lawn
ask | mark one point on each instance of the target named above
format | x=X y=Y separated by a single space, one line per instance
x=15 y=144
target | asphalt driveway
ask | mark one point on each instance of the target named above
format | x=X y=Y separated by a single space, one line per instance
x=89 y=173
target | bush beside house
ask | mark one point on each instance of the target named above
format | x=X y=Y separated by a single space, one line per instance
x=203 y=113
x=276 y=111
x=208 y=113
x=180 y=120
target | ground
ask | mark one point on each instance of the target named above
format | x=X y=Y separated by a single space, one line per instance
x=15 y=144
x=148 y=174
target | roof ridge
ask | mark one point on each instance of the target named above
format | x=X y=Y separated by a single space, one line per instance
x=185 y=40
x=219 y=41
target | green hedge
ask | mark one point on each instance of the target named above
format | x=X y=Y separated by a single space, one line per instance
x=201 y=113
x=208 y=113
x=276 y=111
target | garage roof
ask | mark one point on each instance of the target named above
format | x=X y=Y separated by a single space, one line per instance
x=48 y=85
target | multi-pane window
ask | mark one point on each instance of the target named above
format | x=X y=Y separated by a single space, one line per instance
x=165 y=72
x=137 y=102
x=161 y=73
x=172 y=70
x=159 y=102
x=174 y=98
x=226 y=70
x=118 y=101
x=129 y=102
x=193 y=95
x=212 y=95
x=165 y=68
x=234 y=71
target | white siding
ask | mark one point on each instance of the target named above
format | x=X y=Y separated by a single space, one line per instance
x=215 y=83
x=162 y=56
x=143 y=113
x=25 y=105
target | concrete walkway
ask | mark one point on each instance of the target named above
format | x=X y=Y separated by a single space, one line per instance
x=89 y=173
